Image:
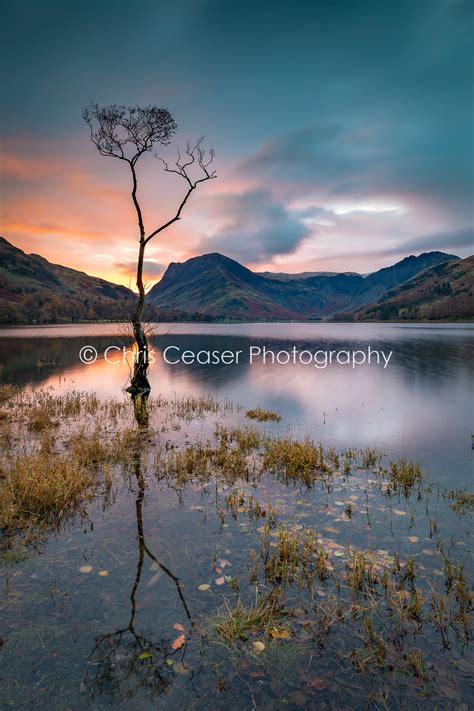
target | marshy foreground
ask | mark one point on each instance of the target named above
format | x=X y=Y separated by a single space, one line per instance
x=217 y=560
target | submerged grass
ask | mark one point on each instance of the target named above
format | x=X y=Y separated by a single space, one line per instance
x=239 y=622
x=404 y=475
x=463 y=501
x=36 y=487
x=262 y=415
x=292 y=459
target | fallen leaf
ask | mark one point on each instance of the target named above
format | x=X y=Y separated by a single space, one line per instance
x=258 y=647
x=103 y=573
x=85 y=569
x=181 y=668
x=178 y=626
x=203 y=587
x=145 y=655
x=279 y=632
x=257 y=674
x=399 y=513
x=220 y=581
x=413 y=539
x=179 y=641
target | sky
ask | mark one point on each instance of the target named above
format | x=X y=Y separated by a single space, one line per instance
x=343 y=130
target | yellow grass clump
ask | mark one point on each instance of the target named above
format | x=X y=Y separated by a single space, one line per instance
x=41 y=489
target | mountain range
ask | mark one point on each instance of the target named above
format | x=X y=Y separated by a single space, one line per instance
x=221 y=287
x=433 y=285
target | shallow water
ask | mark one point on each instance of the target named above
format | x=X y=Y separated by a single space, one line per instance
x=420 y=405
x=67 y=641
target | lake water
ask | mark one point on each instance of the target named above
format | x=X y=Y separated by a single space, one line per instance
x=419 y=405
x=89 y=619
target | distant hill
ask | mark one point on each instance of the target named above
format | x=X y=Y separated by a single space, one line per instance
x=32 y=290
x=221 y=287
x=443 y=291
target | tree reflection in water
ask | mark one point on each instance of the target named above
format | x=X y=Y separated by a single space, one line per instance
x=125 y=661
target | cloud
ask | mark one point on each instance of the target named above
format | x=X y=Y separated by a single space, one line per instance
x=26 y=227
x=253 y=226
x=23 y=167
x=151 y=269
x=455 y=239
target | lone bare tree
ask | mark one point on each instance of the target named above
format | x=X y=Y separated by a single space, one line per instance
x=127 y=133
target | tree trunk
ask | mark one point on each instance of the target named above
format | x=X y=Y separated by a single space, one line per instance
x=140 y=386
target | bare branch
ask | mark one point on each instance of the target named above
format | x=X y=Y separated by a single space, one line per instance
x=182 y=167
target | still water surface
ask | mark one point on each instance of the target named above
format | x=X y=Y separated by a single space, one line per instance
x=420 y=405
x=66 y=636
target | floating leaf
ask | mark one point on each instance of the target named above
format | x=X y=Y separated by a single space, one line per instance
x=103 y=573
x=258 y=647
x=203 y=587
x=85 y=569
x=181 y=668
x=413 y=539
x=399 y=513
x=179 y=641
x=220 y=581
x=178 y=626
x=279 y=632
x=169 y=662
x=145 y=655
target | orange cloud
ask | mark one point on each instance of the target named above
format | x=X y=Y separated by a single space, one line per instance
x=27 y=168
x=42 y=228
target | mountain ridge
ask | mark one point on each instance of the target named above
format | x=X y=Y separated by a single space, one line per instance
x=213 y=286
x=217 y=286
